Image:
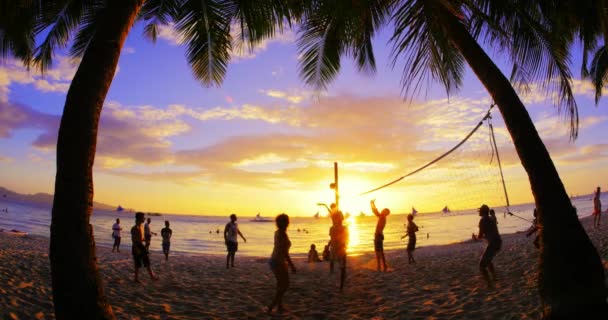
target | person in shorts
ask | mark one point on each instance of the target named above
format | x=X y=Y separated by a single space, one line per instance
x=338 y=235
x=166 y=234
x=231 y=231
x=488 y=230
x=411 y=230
x=379 y=234
x=138 y=248
x=116 y=235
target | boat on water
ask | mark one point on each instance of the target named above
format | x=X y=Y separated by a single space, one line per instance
x=414 y=211
x=316 y=216
x=446 y=210
x=259 y=218
x=119 y=209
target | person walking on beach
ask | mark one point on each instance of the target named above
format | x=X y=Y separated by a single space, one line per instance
x=379 y=234
x=488 y=230
x=338 y=235
x=280 y=261
x=166 y=234
x=230 y=238
x=411 y=230
x=148 y=233
x=116 y=235
x=138 y=248
x=597 y=207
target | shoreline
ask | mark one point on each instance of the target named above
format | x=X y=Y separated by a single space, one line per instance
x=444 y=284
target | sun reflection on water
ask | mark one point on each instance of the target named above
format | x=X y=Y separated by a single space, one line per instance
x=353 y=234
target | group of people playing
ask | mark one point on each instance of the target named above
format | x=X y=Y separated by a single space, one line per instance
x=141 y=238
x=336 y=250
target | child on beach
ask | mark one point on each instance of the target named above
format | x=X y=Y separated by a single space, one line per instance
x=411 y=230
x=326 y=253
x=280 y=261
x=489 y=231
x=338 y=235
x=116 y=235
x=313 y=255
x=230 y=238
x=166 y=234
x=379 y=234
x=597 y=208
x=138 y=248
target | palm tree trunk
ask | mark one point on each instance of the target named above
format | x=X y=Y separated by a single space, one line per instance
x=571 y=275
x=77 y=288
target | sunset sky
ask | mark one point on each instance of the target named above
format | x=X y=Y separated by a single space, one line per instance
x=265 y=142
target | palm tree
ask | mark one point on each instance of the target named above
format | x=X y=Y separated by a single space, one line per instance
x=436 y=37
x=100 y=28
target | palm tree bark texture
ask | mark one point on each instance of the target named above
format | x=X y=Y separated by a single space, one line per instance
x=77 y=288
x=571 y=275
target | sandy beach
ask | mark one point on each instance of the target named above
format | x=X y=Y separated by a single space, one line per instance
x=444 y=284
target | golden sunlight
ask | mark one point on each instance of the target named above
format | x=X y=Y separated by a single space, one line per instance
x=354 y=236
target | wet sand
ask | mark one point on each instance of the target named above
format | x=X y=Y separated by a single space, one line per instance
x=444 y=284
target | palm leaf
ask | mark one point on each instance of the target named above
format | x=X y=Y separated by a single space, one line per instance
x=599 y=71
x=205 y=27
x=419 y=39
x=156 y=13
x=331 y=29
x=88 y=26
x=17 y=26
x=538 y=45
x=61 y=18
x=320 y=51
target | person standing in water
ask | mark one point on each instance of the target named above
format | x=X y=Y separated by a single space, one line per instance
x=597 y=207
x=166 y=234
x=280 y=261
x=231 y=231
x=338 y=235
x=411 y=230
x=379 y=234
x=116 y=235
x=148 y=233
x=488 y=230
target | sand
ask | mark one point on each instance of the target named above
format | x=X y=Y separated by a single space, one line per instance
x=444 y=284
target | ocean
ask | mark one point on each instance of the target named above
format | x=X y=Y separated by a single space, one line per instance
x=204 y=234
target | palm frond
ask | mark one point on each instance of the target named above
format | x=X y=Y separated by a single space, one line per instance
x=538 y=44
x=205 y=28
x=331 y=29
x=156 y=13
x=320 y=51
x=599 y=71
x=17 y=29
x=61 y=18
x=88 y=27
x=420 y=39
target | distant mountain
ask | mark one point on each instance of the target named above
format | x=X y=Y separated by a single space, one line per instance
x=42 y=199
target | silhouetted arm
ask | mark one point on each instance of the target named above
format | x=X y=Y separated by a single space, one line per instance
x=374 y=209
